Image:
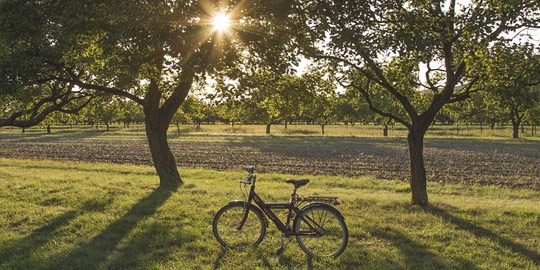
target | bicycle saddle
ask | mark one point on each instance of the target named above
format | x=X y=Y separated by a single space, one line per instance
x=298 y=183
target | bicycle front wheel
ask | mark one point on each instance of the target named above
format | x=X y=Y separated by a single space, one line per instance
x=321 y=231
x=231 y=232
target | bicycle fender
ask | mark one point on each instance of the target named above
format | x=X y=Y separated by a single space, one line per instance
x=252 y=206
x=296 y=218
x=323 y=205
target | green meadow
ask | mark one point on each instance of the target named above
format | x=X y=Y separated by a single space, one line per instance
x=67 y=215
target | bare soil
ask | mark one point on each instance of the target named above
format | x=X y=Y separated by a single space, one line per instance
x=507 y=163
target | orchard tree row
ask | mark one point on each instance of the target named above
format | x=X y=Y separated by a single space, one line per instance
x=509 y=93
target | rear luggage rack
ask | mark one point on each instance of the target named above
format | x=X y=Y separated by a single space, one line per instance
x=319 y=199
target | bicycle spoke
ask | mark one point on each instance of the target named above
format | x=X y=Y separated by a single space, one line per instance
x=227 y=228
x=331 y=233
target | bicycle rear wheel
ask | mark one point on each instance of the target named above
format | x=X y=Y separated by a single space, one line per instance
x=227 y=229
x=321 y=231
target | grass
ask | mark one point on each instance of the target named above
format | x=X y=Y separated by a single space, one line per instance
x=189 y=132
x=95 y=216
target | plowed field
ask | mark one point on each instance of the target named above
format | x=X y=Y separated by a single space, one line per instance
x=508 y=163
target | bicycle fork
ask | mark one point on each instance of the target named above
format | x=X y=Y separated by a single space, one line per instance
x=244 y=218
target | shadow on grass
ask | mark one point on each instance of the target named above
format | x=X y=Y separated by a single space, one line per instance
x=220 y=256
x=57 y=135
x=254 y=252
x=23 y=249
x=484 y=233
x=300 y=131
x=152 y=244
x=95 y=252
x=417 y=255
x=310 y=263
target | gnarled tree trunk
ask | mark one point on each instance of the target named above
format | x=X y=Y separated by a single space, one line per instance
x=418 y=169
x=268 y=126
x=157 y=120
x=164 y=161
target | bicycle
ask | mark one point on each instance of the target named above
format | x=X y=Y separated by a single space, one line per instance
x=319 y=228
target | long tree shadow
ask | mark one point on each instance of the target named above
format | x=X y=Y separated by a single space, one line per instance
x=417 y=256
x=96 y=251
x=484 y=233
x=22 y=249
x=151 y=244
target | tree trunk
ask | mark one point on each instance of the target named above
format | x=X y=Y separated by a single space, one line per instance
x=418 y=169
x=322 y=129
x=285 y=124
x=268 y=128
x=107 y=125
x=178 y=128
x=48 y=129
x=515 y=125
x=385 y=131
x=23 y=130
x=161 y=154
x=481 y=127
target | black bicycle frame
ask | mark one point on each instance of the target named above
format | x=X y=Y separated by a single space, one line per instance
x=267 y=209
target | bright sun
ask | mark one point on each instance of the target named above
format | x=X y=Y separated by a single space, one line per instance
x=221 y=22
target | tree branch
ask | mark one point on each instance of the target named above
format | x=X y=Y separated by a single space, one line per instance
x=110 y=90
x=372 y=107
x=171 y=105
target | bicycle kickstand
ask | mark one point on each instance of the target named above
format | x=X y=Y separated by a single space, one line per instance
x=284 y=245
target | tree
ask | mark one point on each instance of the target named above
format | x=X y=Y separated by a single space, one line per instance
x=533 y=116
x=129 y=111
x=322 y=106
x=197 y=110
x=512 y=74
x=106 y=109
x=150 y=52
x=382 y=46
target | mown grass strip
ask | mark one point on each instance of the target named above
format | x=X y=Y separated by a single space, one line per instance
x=65 y=215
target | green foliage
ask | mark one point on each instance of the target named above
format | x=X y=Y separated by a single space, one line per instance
x=512 y=74
x=196 y=110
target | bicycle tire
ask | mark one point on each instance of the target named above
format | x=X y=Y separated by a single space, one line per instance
x=227 y=219
x=330 y=234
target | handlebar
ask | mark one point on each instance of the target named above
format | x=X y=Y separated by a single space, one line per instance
x=250 y=169
x=251 y=177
